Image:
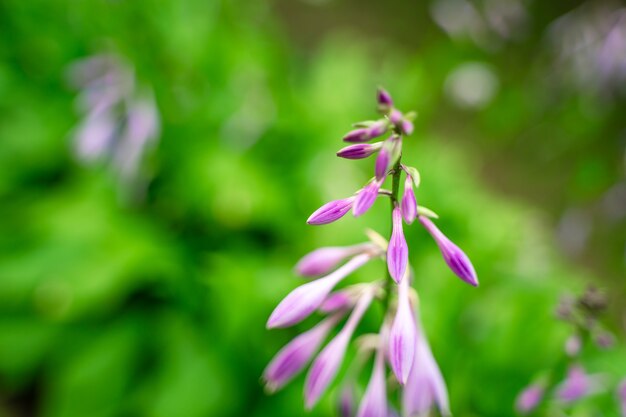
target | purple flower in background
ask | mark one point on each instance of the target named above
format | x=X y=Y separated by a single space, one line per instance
x=331 y=211
x=374 y=403
x=456 y=259
x=305 y=299
x=294 y=356
x=120 y=123
x=576 y=385
x=366 y=198
x=403 y=335
x=360 y=150
x=323 y=260
x=409 y=203
x=398 y=251
x=327 y=363
x=529 y=398
x=425 y=387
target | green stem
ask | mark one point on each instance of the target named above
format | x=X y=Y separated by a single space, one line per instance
x=395 y=187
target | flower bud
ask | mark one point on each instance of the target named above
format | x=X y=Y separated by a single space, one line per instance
x=406 y=126
x=323 y=260
x=327 y=363
x=385 y=102
x=403 y=335
x=366 y=134
x=529 y=398
x=398 y=251
x=295 y=355
x=331 y=211
x=388 y=156
x=305 y=299
x=456 y=259
x=409 y=203
x=360 y=150
x=374 y=402
x=395 y=117
x=366 y=198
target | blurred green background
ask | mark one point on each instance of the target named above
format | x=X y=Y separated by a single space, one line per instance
x=156 y=306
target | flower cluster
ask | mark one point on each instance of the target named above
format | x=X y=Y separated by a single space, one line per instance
x=401 y=344
x=120 y=122
x=583 y=314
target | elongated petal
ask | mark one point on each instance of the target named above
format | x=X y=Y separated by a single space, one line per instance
x=359 y=151
x=331 y=211
x=398 y=251
x=409 y=203
x=327 y=363
x=456 y=259
x=374 y=402
x=529 y=398
x=425 y=386
x=366 y=198
x=305 y=299
x=295 y=355
x=403 y=336
x=323 y=260
x=388 y=156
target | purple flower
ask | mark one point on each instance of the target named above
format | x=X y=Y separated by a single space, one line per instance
x=366 y=198
x=425 y=386
x=398 y=251
x=576 y=385
x=409 y=203
x=456 y=259
x=323 y=260
x=621 y=396
x=529 y=398
x=305 y=299
x=360 y=150
x=374 y=402
x=403 y=336
x=385 y=102
x=295 y=355
x=331 y=211
x=327 y=363
x=365 y=134
x=387 y=157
